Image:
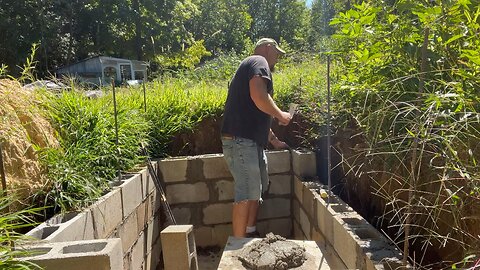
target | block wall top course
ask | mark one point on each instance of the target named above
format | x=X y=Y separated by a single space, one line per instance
x=107 y=213
x=213 y=166
x=132 y=194
x=278 y=161
x=304 y=163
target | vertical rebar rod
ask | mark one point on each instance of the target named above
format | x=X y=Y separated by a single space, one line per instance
x=144 y=97
x=2 y=172
x=119 y=174
x=329 y=161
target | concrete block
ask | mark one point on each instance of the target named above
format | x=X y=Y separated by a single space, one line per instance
x=141 y=214
x=151 y=185
x=173 y=169
x=278 y=161
x=107 y=213
x=305 y=225
x=152 y=234
x=65 y=227
x=304 y=163
x=204 y=236
x=334 y=259
x=381 y=254
x=187 y=193
x=344 y=243
x=324 y=220
x=178 y=245
x=155 y=255
x=280 y=184
x=215 y=166
x=158 y=225
x=128 y=231
x=79 y=255
x=309 y=202
x=138 y=252
x=182 y=215
x=281 y=226
x=217 y=213
x=296 y=210
x=298 y=188
x=127 y=261
x=147 y=181
x=225 y=190
x=274 y=208
x=297 y=231
x=318 y=237
x=147 y=264
x=155 y=204
x=132 y=194
x=221 y=233
x=150 y=237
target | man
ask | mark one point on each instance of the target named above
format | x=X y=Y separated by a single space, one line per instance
x=246 y=132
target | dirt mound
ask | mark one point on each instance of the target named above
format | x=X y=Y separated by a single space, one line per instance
x=22 y=129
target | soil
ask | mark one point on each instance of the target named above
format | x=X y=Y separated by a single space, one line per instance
x=205 y=139
x=22 y=128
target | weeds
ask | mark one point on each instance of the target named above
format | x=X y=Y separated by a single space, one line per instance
x=410 y=85
x=9 y=223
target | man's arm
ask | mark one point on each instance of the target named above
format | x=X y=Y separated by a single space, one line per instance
x=275 y=142
x=264 y=102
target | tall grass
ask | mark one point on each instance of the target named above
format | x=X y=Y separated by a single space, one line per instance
x=89 y=158
x=10 y=223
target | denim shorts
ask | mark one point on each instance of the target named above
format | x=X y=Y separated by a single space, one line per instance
x=248 y=164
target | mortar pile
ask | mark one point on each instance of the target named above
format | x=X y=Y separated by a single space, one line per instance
x=23 y=130
x=272 y=252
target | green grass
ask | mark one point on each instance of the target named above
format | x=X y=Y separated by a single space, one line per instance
x=88 y=159
x=10 y=223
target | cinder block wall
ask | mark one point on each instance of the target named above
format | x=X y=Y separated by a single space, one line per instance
x=130 y=212
x=347 y=239
x=200 y=192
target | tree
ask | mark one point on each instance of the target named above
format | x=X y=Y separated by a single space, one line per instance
x=280 y=19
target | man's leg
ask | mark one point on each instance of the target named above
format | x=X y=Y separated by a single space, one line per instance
x=254 y=204
x=240 y=216
x=252 y=213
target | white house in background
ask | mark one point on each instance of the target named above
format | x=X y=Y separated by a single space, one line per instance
x=99 y=70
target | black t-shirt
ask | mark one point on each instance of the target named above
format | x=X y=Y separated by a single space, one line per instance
x=242 y=118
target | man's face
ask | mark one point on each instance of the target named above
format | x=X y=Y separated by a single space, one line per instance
x=272 y=56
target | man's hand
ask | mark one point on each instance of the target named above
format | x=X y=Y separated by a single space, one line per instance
x=277 y=144
x=284 y=118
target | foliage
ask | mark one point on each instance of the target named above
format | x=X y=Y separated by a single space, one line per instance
x=186 y=59
x=176 y=106
x=408 y=76
x=68 y=31
x=221 y=68
x=216 y=25
x=301 y=79
x=287 y=19
x=89 y=157
x=9 y=223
